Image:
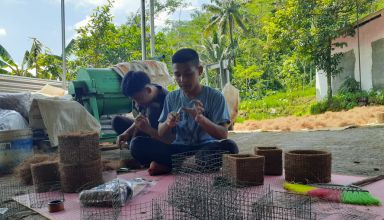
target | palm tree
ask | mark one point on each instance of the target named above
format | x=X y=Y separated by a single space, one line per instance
x=226 y=14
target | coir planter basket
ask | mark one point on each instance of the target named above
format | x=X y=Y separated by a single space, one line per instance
x=273 y=160
x=244 y=169
x=308 y=166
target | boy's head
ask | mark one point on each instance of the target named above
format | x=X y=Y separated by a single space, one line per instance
x=187 y=69
x=136 y=85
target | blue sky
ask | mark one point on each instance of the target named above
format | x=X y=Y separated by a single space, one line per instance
x=22 y=19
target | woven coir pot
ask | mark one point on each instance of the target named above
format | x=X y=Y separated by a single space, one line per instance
x=75 y=177
x=244 y=169
x=78 y=147
x=308 y=166
x=273 y=160
x=43 y=173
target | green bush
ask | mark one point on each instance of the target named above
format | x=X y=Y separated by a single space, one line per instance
x=348 y=100
x=278 y=104
x=350 y=85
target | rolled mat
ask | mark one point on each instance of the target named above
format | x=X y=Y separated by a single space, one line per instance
x=308 y=166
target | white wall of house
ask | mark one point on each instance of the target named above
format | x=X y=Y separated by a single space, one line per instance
x=370 y=32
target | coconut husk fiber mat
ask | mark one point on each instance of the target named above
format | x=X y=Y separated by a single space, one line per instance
x=72 y=203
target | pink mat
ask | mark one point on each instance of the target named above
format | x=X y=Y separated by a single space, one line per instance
x=72 y=204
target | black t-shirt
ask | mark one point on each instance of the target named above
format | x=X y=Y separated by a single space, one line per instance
x=154 y=110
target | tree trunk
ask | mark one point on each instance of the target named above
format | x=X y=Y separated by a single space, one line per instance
x=231 y=38
x=329 y=90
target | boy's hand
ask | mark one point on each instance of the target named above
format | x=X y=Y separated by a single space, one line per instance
x=124 y=137
x=198 y=109
x=172 y=119
x=142 y=123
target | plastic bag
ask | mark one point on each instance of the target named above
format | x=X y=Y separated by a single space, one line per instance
x=11 y=120
x=114 y=193
x=19 y=102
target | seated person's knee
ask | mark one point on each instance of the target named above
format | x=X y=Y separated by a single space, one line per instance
x=229 y=145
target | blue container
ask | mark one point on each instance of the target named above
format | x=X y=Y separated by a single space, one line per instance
x=15 y=147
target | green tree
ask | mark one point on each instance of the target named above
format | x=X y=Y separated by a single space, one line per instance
x=226 y=13
x=306 y=30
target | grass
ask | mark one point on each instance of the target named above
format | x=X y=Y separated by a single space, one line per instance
x=278 y=104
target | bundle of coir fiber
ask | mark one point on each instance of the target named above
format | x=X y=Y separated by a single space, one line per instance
x=23 y=170
x=273 y=160
x=44 y=173
x=308 y=166
x=80 y=161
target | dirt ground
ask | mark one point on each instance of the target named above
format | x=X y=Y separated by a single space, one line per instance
x=358 y=116
x=357 y=151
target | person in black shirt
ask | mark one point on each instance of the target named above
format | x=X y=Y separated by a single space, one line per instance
x=149 y=101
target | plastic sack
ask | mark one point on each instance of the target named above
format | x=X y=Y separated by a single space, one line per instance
x=114 y=193
x=19 y=102
x=12 y=120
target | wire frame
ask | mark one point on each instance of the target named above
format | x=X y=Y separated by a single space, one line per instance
x=282 y=205
x=12 y=192
x=202 y=161
x=45 y=193
x=201 y=190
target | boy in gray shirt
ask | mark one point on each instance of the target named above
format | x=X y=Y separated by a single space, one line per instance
x=197 y=115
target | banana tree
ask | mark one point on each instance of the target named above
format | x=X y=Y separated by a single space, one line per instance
x=9 y=66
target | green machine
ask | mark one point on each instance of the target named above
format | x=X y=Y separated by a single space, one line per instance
x=98 y=90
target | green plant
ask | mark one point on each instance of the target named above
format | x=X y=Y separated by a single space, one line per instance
x=278 y=104
x=349 y=85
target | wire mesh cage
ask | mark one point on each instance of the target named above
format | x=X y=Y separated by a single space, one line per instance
x=42 y=194
x=201 y=161
x=201 y=190
x=284 y=206
x=12 y=192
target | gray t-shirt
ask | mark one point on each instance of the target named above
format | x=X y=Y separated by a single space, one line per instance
x=188 y=131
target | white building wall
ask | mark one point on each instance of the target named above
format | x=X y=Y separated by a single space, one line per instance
x=370 y=32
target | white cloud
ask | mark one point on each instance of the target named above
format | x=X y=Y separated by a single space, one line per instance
x=3 y=32
x=82 y=23
x=161 y=20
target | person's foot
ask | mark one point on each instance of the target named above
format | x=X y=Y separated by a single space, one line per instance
x=158 y=169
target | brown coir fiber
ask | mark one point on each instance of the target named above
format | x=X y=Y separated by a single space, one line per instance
x=23 y=170
x=75 y=177
x=308 y=166
x=273 y=159
x=244 y=169
x=44 y=173
x=78 y=147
